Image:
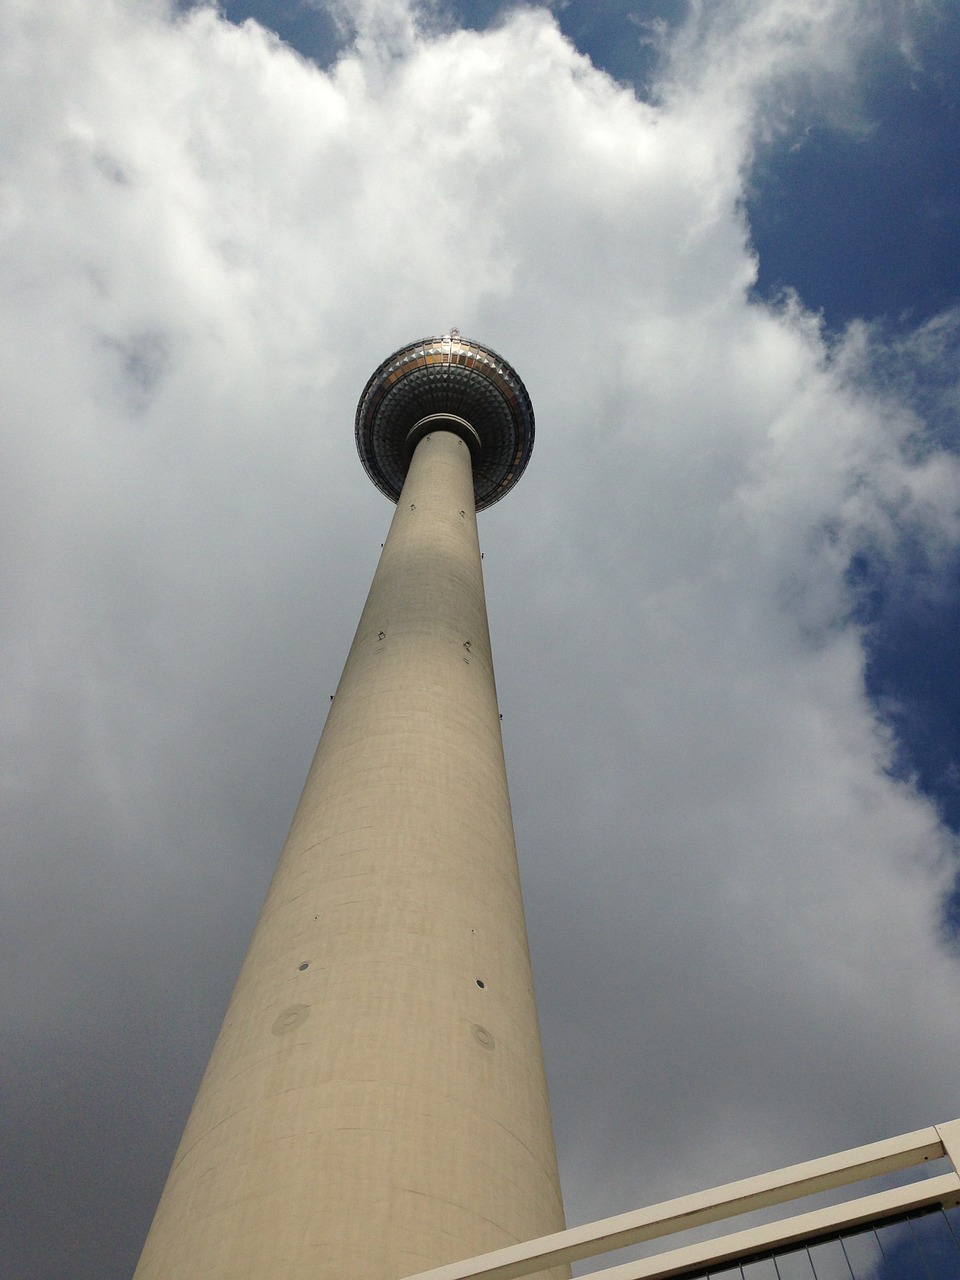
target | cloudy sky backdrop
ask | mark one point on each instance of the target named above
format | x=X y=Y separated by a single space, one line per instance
x=719 y=243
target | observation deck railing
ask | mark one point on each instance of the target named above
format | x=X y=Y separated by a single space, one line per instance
x=783 y=1186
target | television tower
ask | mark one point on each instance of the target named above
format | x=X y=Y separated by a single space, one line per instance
x=375 y=1104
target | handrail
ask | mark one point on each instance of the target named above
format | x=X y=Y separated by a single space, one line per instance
x=741 y=1244
x=733 y=1199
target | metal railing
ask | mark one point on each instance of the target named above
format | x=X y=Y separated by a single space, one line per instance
x=736 y=1198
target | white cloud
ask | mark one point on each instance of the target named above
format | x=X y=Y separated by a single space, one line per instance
x=207 y=245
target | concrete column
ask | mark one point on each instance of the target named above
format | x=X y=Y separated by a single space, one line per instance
x=375 y=1104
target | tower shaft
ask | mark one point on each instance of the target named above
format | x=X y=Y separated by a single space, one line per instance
x=375 y=1104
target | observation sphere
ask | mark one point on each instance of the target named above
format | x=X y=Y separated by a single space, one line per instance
x=446 y=384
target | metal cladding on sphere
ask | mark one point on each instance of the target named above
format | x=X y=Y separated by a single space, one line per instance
x=463 y=386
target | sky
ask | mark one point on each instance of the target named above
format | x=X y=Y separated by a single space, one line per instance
x=719 y=244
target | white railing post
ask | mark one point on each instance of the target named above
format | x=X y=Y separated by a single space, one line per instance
x=950 y=1137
